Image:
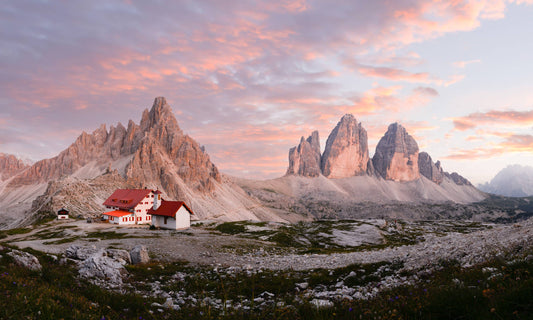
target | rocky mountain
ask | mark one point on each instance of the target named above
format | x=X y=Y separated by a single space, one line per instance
x=512 y=181
x=157 y=154
x=154 y=153
x=158 y=135
x=304 y=160
x=346 y=152
x=11 y=166
x=428 y=169
x=396 y=156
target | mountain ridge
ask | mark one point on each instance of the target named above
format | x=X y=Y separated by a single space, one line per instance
x=512 y=181
x=397 y=156
x=154 y=153
x=157 y=154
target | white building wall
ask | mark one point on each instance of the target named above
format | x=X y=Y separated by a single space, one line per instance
x=140 y=210
x=130 y=219
x=182 y=221
x=183 y=218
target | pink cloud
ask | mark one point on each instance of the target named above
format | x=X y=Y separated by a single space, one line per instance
x=509 y=118
x=462 y=64
x=514 y=143
x=394 y=74
x=232 y=64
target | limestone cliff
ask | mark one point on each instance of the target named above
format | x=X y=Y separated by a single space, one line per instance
x=429 y=169
x=396 y=156
x=346 y=152
x=10 y=166
x=304 y=160
x=151 y=145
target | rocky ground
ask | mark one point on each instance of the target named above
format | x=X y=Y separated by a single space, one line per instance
x=365 y=241
x=401 y=252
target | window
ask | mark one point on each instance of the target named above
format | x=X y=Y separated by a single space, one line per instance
x=166 y=220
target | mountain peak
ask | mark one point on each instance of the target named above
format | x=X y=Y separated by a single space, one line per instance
x=10 y=166
x=396 y=156
x=159 y=115
x=304 y=159
x=346 y=152
x=347 y=117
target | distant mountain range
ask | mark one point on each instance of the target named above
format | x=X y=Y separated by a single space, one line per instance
x=512 y=181
x=156 y=154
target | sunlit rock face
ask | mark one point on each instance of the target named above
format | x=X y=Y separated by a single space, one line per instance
x=346 y=152
x=396 y=156
x=157 y=152
x=10 y=166
x=304 y=160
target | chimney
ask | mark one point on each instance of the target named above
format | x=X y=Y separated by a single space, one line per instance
x=157 y=199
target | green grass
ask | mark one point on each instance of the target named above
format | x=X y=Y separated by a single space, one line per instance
x=105 y=235
x=55 y=293
x=230 y=228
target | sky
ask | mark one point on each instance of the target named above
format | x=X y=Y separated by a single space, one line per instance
x=247 y=79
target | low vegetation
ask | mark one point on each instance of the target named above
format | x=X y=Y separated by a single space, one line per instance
x=498 y=289
x=321 y=236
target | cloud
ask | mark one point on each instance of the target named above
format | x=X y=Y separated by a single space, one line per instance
x=70 y=66
x=514 y=143
x=518 y=143
x=462 y=64
x=394 y=74
x=509 y=118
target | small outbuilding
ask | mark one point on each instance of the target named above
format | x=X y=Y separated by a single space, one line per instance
x=172 y=215
x=62 y=214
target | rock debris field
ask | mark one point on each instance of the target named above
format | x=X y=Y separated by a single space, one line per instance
x=205 y=246
x=101 y=252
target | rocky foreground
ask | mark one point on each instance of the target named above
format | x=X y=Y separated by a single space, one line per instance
x=371 y=253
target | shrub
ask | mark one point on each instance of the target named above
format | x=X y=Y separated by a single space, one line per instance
x=230 y=228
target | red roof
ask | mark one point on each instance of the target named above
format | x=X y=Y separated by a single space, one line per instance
x=169 y=209
x=118 y=213
x=126 y=198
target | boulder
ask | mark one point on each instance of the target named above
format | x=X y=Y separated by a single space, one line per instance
x=80 y=253
x=103 y=270
x=25 y=260
x=121 y=256
x=139 y=254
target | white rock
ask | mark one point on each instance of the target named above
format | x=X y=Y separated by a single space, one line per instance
x=302 y=285
x=25 y=260
x=322 y=303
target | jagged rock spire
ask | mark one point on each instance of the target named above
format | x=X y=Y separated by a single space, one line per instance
x=396 y=156
x=346 y=152
x=304 y=159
